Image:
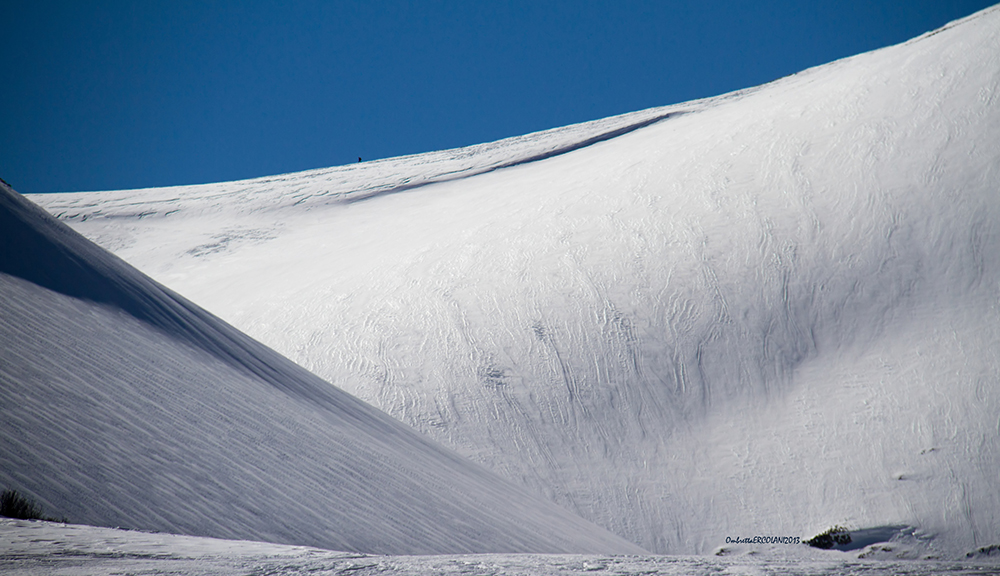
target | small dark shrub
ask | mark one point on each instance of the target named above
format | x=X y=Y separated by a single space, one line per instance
x=830 y=538
x=13 y=505
x=985 y=551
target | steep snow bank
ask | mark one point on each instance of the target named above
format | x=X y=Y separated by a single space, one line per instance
x=123 y=404
x=774 y=313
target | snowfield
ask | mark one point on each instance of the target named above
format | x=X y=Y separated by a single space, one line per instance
x=28 y=548
x=766 y=313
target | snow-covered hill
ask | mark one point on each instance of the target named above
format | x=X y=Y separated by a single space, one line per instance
x=761 y=314
x=123 y=404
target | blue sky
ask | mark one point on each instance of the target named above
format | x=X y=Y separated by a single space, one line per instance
x=111 y=95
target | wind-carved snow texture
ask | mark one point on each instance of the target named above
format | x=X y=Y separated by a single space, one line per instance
x=772 y=314
x=123 y=404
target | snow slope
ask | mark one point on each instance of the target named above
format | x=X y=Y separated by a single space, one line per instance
x=123 y=404
x=761 y=314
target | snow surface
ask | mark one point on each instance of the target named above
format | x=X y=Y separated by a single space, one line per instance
x=42 y=547
x=123 y=404
x=766 y=313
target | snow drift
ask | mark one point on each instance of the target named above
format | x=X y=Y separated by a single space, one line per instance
x=123 y=404
x=766 y=313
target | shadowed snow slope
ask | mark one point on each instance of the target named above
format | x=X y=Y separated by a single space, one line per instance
x=761 y=314
x=123 y=404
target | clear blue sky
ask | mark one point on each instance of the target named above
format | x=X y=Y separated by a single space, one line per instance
x=109 y=95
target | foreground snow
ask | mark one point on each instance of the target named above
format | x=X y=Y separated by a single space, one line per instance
x=766 y=313
x=41 y=547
